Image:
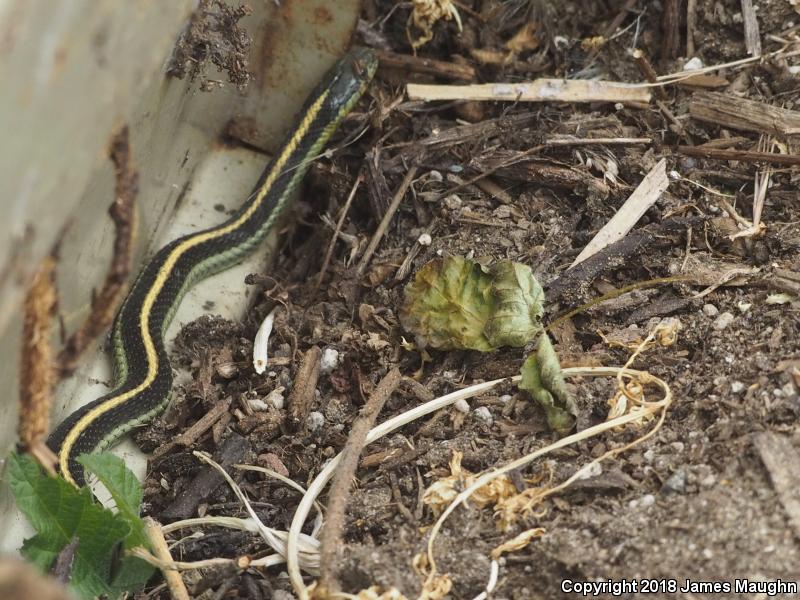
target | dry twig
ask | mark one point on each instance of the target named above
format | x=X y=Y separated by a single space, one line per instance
x=105 y=303
x=426 y=66
x=387 y=218
x=305 y=384
x=337 y=496
x=541 y=90
x=740 y=155
x=342 y=215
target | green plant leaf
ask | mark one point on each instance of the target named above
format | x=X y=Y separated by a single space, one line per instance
x=518 y=305
x=542 y=379
x=457 y=304
x=60 y=513
x=124 y=488
x=132 y=573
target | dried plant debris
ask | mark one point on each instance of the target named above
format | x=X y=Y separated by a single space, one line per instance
x=457 y=303
x=213 y=35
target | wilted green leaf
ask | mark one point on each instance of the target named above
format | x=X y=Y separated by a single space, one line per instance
x=457 y=304
x=61 y=513
x=542 y=378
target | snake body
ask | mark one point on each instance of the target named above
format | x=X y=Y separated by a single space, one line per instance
x=142 y=372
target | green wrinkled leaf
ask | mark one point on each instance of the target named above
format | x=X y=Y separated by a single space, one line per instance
x=457 y=304
x=542 y=379
x=60 y=513
x=126 y=491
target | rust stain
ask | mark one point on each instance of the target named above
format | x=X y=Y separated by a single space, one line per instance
x=268 y=70
x=321 y=16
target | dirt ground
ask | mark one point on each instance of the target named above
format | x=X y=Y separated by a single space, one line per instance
x=705 y=498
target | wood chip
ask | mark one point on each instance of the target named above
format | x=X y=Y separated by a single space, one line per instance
x=303 y=391
x=744 y=115
x=541 y=90
x=425 y=66
x=752 y=38
x=782 y=460
x=234 y=449
x=643 y=197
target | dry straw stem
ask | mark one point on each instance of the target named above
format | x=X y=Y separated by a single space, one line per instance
x=332 y=244
x=37 y=374
x=308 y=547
x=760 y=187
x=643 y=197
x=319 y=483
x=540 y=90
x=322 y=479
x=638 y=410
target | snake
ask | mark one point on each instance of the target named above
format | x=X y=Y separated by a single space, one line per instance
x=142 y=372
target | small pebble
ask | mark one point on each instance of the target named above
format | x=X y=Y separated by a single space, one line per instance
x=257 y=404
x=461 y=406
x=692 y=64
x=648 y=500
x=273 y=461
x=710 y=310
x=737 y=386
x=707 y=553
x=723 y=320
x=505 y=398
x=452 y=202
x=329 y=360
x=598 y=450
x=275 y=397
x=649 y=455
x=425 y=239
x=676 y=484
x=483 y=414
x=744 y=306
x=315 y=420
x=592 y=469
x=708 y=481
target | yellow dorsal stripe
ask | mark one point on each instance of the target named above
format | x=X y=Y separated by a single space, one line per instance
x=162 y=276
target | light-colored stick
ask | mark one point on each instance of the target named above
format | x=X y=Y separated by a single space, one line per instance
x=752 y=37
x=643 y=197
x=541 y=90
x=177 y=589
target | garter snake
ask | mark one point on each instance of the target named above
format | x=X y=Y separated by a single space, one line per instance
x=142 y=373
